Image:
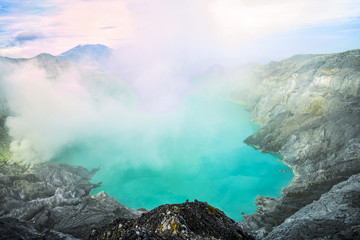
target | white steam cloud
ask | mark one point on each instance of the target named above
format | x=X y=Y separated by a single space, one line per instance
x=161 y=47
x=47 y=114
x=128 y=109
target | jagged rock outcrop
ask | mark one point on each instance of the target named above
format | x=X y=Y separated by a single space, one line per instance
x=335 y=215
x=189 y=220
x=309 y=107
x=54 y=196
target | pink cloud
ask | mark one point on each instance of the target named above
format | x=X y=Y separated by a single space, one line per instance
x=222 y=26
x=77 y=22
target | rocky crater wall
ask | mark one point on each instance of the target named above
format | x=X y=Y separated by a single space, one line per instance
x=309 y=109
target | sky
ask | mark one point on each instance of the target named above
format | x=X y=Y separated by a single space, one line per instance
x=219 y=31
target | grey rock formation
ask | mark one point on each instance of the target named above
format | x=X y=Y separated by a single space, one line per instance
x=335 y=215
x=55 y=196
x=190 y=220
x=12 y=228
x=309 y=107
x=306 y=84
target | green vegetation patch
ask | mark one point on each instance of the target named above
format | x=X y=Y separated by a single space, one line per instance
x=212 y=211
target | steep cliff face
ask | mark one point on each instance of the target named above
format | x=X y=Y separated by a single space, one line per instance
x=309 y=108
x=306 y=84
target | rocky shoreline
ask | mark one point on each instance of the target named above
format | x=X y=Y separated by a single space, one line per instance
x=309 y=109
x=51 y=200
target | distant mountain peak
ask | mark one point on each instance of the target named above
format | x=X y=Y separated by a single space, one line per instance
x=44 y=55
x=87 y=47
x=90 y=55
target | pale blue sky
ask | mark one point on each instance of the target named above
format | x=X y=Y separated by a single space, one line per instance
x=225 y=31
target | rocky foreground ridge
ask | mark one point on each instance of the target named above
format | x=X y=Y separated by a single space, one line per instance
x=309 y=109
x=51 y=201
x=335 y=215
x=190 y=220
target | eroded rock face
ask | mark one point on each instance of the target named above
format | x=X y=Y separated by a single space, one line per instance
x=310 y=111
x=56 y=196
x=190 y=220
x=306 y=84
x=335 y=215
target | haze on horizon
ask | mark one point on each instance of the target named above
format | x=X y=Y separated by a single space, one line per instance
x=203 y=32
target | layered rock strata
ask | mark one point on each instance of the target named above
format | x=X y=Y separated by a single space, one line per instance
x=309 y=109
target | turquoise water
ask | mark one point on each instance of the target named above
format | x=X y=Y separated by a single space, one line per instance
x=193 y=152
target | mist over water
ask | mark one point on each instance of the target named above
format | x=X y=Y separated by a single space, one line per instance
x=143 y=116
x=159 y=134
x=193 y=152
